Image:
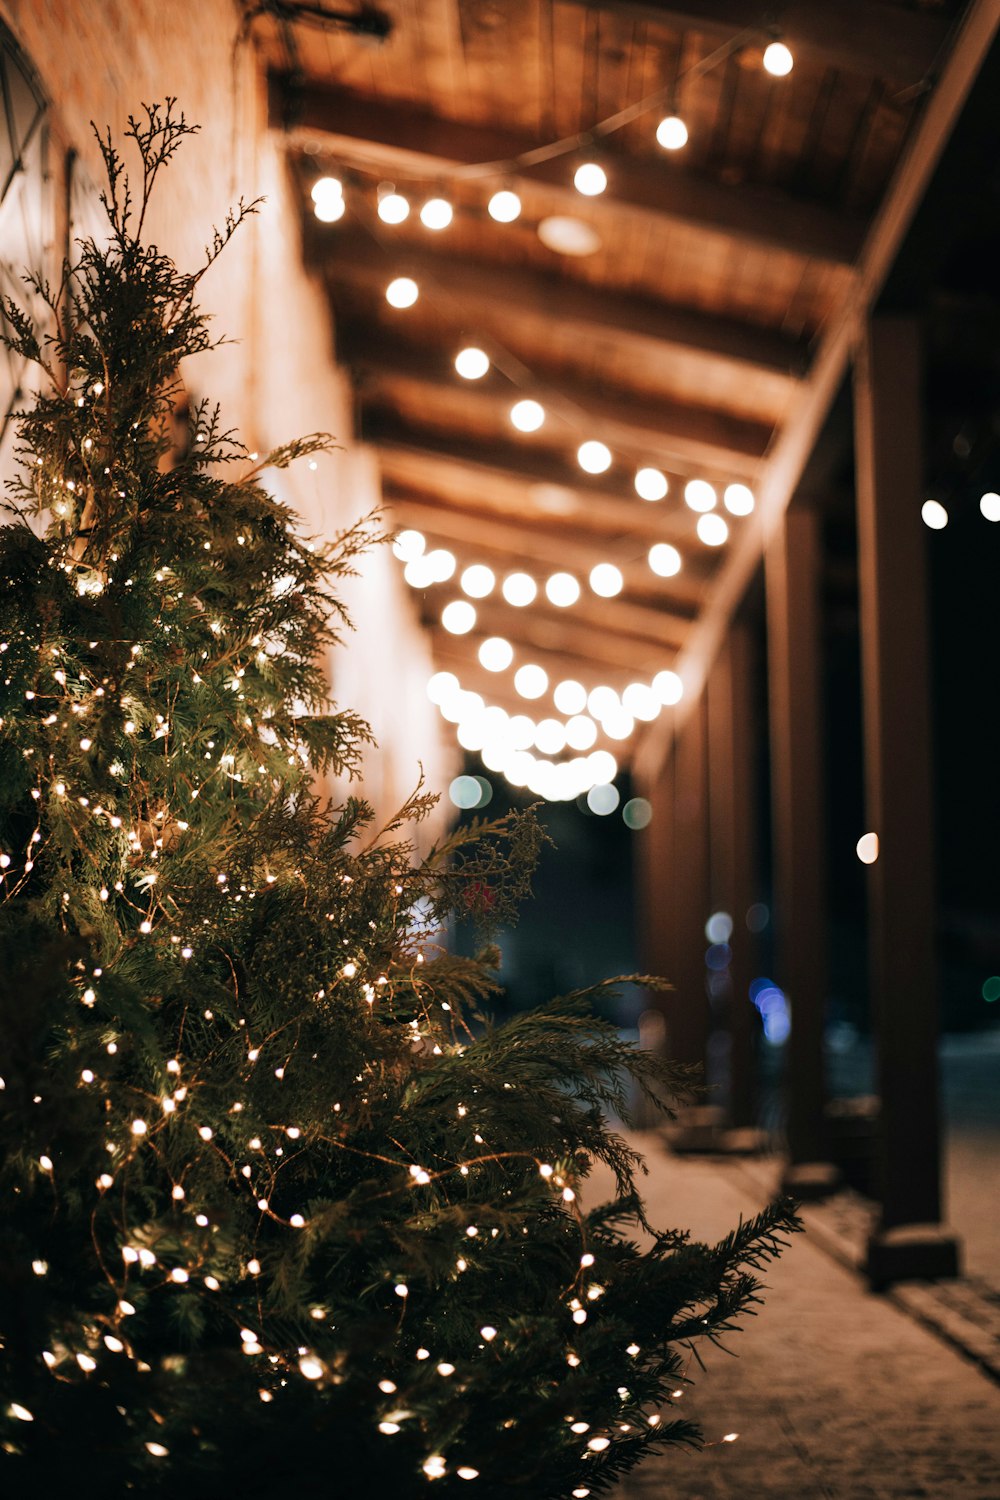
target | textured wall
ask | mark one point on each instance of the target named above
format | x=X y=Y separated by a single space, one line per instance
x=98 y=60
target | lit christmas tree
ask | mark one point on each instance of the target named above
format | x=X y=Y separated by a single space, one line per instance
x=280 y=1206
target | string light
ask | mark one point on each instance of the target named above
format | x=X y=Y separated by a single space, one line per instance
x=519 y=589
x=664 y=560
x=393 y=208
x=594 y=457
x=934 y=515
x=459 y=617
x=402 y=292
x=989 y=505
x=650 y=484
x=562 y=590
x=570 y=696
x=436 y=214
x=478 y=581
x=495 y=654
x=738 y=500
x=409 y=545
x=472 y=363
x=590 y=179
x=778 y=60
x=699 y=495
x=712 y=530
x=527 y=415
x=672 y=133
x=606 y=580
x=531 y=680
x=504 y=206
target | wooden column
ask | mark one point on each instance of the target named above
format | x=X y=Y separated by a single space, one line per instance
x=898 y=793
x=687 y=1006
x=732 y=850
x=655 y=870
x=798 y=814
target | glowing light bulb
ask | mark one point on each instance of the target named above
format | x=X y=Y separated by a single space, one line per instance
x=531 y=681
x=459 y=617
x=402 y=292
x=934 y=515
x=867 y=848
x=327 y=187
x=409 y=545
x=700 y=495
x=311 y=1368
x=440 y=564
x=496 y=654
x=668 y=688
x=581 y=732
x=594 y=457
x=712 y=530
x=519 y=589
x=527 y=416
x=478 y=581
x=393 y=208
x=664 y=560
x=472 y=363
x=570 y=696
x=504 y=206
x=650 y=484
x=672 y=133
x=606 y=580
x=562 y=589
x=989 y=505
x=778 y=60
x=437 y=213
x=738 y=499
x=590 y=179
x=329 y=210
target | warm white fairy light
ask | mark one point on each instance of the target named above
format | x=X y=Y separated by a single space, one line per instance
x=650 y=484
x=700 y=495
x=409 y=545
x=989 y=506
x=478 y=581
x=402 y=292
x=606 y=580
x=668 y=687
x=594 y=457
x=664 y=560
x=527 y=415
x=519 y=589
x=436 y=214
x=778 y=60
x=712 y=530
x=672 y=133
x=934 y=515
x=458 y=617
x=329 y=210
x=738 y=499
x=531 y=680
x=562 y=590
x=495 y=654
x=504 y=206
x=590 y=179
x=472 y=363
x=393 y=208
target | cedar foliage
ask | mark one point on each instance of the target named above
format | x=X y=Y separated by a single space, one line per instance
x=281 y=1205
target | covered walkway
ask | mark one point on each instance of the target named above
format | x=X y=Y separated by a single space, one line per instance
x=836 y=1392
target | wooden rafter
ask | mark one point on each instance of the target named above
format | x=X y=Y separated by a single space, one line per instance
x=354 y=258
x=394 y=138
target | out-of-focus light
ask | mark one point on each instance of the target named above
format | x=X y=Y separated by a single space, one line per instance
x=504 y=206
x=637 y=813
x=651 y=484
x=778 y=60
x=594 y=457
x=590 y=179
x=472 y=363
x=603 y=799
x=393 y=208
x=867 y=848
x=528 y=415
x=991 y=989
x=550 y=737
x=570 y=696
x=458 y=617
x=641 y=702
x=441 y=686
x=738 y=499
x=327 y=188
x=603 y=700
x=519 y=589
x=496 y=654
x=465 y=791
x=719 y=927
x=602 y=766
x=581 y=732
x=408 y=545
x=569 y=236
x=668 y=688
x=758 y=916
x=419 y=573
x=712 y=530
x=520 y=732
x=618 y=725
x=441 y=562
x=606 y=580
x=934 y=515
x=664 y=560
x=700 y=495
x=562 y=589
x=478 y=581
x=672 y=133
x=329 y=210
x=531 y=680
x=402 y=292
x=437 y=213
x=990 y=506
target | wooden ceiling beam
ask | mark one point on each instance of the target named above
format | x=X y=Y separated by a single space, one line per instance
x=400 y=139
x=354 y=258
x=642 y=429
x=868 y=37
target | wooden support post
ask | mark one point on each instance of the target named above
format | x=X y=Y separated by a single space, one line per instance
x=655 y=870
x=732 y=853
x=687 y=1006
x=798 y=814
x=909 y=1241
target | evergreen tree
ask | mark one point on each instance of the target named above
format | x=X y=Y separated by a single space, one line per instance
x=280 y=1205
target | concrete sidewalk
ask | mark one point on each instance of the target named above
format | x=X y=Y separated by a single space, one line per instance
x=836 y=1393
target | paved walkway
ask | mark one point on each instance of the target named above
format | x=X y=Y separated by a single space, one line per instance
x=836 y=1395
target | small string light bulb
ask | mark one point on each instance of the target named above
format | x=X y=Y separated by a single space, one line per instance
x=436 y=214
x=472 y=363
x=504 y=206
x=402 y=292
x=393 y=208
x=672 y=133
x=590 y=179
x=778 y=60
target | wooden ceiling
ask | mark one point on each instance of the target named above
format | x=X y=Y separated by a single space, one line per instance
x=684 y=342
